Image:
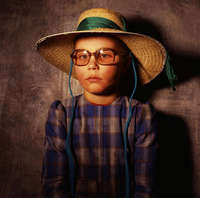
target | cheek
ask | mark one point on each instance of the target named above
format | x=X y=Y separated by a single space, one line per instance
x=110 y=73
x=79 y=73
x=80 y=76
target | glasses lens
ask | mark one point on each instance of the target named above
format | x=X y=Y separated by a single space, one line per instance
x=81 y=57
x=102 y=56
x=106 y=56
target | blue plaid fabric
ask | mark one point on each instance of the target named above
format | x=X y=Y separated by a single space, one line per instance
x=97 y=144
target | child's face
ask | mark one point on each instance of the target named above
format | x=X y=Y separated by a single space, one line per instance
x=95 y=78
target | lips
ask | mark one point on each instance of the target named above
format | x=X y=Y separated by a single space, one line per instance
x=93 y=79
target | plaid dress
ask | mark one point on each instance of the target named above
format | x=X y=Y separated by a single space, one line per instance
x=97 y=144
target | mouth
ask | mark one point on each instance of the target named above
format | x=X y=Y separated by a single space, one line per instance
x=93 y=79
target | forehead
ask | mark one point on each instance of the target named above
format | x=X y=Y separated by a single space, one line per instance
x=95 y=42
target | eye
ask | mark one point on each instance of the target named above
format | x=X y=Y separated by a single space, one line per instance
x=82 y=56
x=105 y=55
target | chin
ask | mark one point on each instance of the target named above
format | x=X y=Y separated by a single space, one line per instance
x=96 y=92
x=101 y=91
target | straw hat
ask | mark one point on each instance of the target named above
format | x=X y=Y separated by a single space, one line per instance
x=150 y=54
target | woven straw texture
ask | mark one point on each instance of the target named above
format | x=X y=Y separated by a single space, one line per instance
x=150 y=54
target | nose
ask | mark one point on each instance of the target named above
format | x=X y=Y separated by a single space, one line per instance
x=93 y=63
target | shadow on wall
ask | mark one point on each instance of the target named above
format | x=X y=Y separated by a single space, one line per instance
x=175 y=174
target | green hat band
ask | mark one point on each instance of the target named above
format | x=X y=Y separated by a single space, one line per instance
x=90 y=23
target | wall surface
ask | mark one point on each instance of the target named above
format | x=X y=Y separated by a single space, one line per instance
x=28 y=85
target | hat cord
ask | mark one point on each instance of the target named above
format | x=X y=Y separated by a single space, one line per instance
x=69 y=152
x=71 y=161
x=125 y=133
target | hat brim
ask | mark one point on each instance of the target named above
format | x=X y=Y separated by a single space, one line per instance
x=150 y=53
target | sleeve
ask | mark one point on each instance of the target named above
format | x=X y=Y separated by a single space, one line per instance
x=145 y=152
x=54 y=170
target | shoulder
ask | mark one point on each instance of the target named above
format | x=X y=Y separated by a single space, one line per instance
x=56 y=111
x=138 y=104
x=67 y=102
x=145 y=110
x=142 y=110
x=61 y=107
x=145 y=118
x=57 y=106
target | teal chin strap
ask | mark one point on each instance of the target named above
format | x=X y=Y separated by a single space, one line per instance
x=125 y=133
x=90 y=23
x=170 y=73
x=71 y=161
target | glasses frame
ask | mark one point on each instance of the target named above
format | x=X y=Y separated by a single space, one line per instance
x=95 y=54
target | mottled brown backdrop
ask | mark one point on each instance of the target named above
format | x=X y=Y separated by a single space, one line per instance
x=28 y=85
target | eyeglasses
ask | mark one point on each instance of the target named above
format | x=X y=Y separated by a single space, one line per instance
x=103 y=56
